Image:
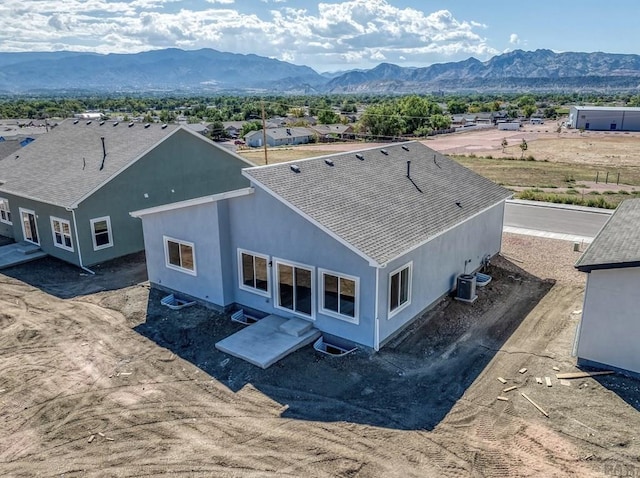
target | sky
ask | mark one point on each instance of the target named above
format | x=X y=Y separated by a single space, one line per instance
x=328 y=35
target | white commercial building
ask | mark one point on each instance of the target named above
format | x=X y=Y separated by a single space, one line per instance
x=604 y=118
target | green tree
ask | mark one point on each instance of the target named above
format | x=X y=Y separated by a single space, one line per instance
x=327 y=117
x=456 y=107
x=216 y=130
x=523 y=147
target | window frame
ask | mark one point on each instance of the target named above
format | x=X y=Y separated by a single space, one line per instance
x=53 y=220
x=404 y=305
x=321 y=296
x=22 y=212
x=241 y=283
x=6 y=210
x=93 y=222
x=276 y=287
x=180 y=242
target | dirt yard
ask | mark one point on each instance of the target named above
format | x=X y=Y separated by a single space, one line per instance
x=98 y=379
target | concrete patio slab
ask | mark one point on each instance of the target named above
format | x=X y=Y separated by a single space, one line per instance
x=19 y=253
x=264 y=343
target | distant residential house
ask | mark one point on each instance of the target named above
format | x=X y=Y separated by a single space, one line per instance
x=233 y=128
x=280 y=137
x=608 y=333
x=199 y=128
x=11 y=145
x=357 y=243
x=499 y=116
x=484 y=118
x=341 y=131
x=71 y=190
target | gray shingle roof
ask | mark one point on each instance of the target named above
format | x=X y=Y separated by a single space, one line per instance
x=618 y=242
x=372 y=205
x=294 y=132
x=62 y=166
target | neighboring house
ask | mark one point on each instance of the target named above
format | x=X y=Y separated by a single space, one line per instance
x=327 y=131
x=359 y=243
x=604 y=118
x=233 y=128
x=71 y=190
x=279 y=137
x=199 y=128
x=610 y=326
x=11 y=146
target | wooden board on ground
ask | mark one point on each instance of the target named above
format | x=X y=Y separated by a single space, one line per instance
x=539 y=380
x=508 y=389
x=535 y=404
x=502 y=380
x=548 y=380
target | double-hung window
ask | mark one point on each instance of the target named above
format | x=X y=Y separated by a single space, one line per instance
x=5 y=212
x=101 y=233
x=399 y=289
x=254 y=272
x=180 y=255
x=61 y=230
x=339 y=295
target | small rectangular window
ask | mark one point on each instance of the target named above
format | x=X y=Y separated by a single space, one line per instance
x=61 y=231
x=180 y=255
x=339 y=295
x=254 y=273
x=399 y=289
x=101 y=233
x=5 y=212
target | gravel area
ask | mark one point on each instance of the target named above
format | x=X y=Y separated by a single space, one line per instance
x=544 y=258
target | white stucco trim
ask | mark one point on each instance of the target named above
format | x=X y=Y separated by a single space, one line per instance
x=22 y=212
x=376 y=318
x=336 y=315
x=192 y=202
x=166 y=240
x=247 y=288
x=348 y=245
x=276 y=287
x=53 y=220
x=397 y=310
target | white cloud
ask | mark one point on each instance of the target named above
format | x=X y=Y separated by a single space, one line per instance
x=514 y=39
x=358 y=32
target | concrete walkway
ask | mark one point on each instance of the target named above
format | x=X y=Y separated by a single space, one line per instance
x=268 y=340
x=19 y=253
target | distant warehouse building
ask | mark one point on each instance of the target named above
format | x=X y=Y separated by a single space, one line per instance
x=604 y=118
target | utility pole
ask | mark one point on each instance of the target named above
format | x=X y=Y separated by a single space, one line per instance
x=264 y=135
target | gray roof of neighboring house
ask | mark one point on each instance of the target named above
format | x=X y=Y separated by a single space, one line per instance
x=10 y=146
x=294 y=132
x=618 y=242
x=63 y=166
x=372 y=206
x=331 y=128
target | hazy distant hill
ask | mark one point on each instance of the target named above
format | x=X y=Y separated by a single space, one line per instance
x=211 y=71
x=158 y=70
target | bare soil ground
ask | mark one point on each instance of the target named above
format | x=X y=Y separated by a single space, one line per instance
x=98 y=379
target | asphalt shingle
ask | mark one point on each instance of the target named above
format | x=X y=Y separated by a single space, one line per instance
x=618 y=242
x=63 y=165
x=372 y=205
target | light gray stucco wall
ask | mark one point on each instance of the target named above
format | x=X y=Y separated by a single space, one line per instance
x=437 y=264
x=198 y=225
x=610 y=326
x=262 y=224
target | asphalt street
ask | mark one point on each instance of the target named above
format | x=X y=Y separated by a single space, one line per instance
x=558 y=219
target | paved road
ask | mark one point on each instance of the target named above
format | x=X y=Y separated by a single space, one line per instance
x=556 y=220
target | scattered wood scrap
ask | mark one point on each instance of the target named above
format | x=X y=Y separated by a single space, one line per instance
x=548 y=380
x=582 y=374
x=535 y=404
x=522 y=370
x=557 y=369
x=503 y=399
x=508 y=389
x=566 y=383
x=539 y=380
x=91 y=438
x=502 y=380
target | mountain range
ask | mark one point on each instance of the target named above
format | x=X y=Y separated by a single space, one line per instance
x=209 y=71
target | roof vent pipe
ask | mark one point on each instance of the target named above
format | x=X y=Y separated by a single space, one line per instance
x=409 y=169
x=104 y=153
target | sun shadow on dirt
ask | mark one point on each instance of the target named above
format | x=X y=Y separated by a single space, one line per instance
x=627 y=388
x=67 y=281
x=412 y=383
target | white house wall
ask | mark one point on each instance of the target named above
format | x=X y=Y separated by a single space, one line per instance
x=437 y=264
x=605 y=119
x=610 y=326
x=198 y=225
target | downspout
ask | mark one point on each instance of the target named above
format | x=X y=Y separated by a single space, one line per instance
x=75 y=229
x=376 y=331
